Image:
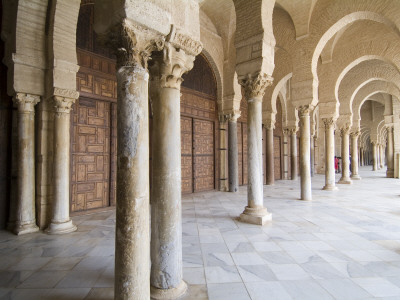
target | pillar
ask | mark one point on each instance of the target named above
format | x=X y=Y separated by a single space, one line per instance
x=361 y=152
x=378 y=155
x=390 y=151
x=305 y=169
x=354 y=155
x=254 y=89
x=133 y=45
x=312 y=155
x=382 y=155
x=374 y=156
x=233 y=163
x=285 y=154
x=344 y=133
x=223 y=154
x=60 y=220
x=270 y=153
x=329 y=154
x=22 y=216
x=293 y=153
x=166 y=206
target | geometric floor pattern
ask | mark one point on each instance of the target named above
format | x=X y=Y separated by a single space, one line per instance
x=343 y=244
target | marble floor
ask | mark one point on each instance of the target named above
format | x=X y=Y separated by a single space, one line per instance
x=342 y=245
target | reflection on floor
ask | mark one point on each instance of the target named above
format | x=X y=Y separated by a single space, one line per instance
x=342 y=245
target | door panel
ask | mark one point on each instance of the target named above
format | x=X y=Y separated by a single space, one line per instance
x=186 y=154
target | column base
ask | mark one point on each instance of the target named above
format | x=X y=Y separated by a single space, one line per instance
x=345 y=181
x=390 y=174
x=20 y=229
x=257 y=216
x=61 y=228
x=330 y=187
x=355 y=177
x=167 y=294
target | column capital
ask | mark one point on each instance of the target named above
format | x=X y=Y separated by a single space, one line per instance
x=26 y=102
x=355 y=134
x=233 y=116
x=269 y=124
x=304 y=110
x=63 y=104
x=133 y=43
x=345 y=129
x=290 y=130
x=254 y=85
x=329 y=122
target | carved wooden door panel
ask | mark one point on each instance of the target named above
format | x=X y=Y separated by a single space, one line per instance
x=90 y=163
x=277 y=158
x=186 y=154
x=203 y=155
x=240 y=152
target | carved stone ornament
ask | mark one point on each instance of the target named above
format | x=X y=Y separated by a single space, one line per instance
x=329 y=122
x=133 y=43
x=292 y=130
x=233 y=116
x=255 y=85
x=182 y=41
x=63 y=104
x=26 y=102
x=66 y=93
x=345 y=129
x=304 y=110
x=355 y=133
x=270 y=125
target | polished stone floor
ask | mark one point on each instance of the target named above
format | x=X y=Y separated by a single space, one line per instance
x=342 y=245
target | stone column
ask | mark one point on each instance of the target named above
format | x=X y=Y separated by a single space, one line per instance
x=293 y=153
x=254 y=89
x=223 y=154
x=166 y=208
x=378 y=153
x=344 y=133
x=270 y=153
x=374 y=156
x=60 y=220
x=329 y=154
x=233 y=163
x=285 y=154
x=312 y=155
x=23 y=219
x=133 y=45
x=354 y=155
x=305 y=172
x=382 y=155
x=361 y=152
x=390 y=151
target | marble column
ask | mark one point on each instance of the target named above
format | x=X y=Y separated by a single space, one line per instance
x=223 y=154
x=374 y=156
x=285 y=154
x=390 y=151
x=329 y=154
x=254 y=89
x=305 y=169
x=312 y=155
x=344 y=133
x=166 y=206
x=133 y=47
x=22 y=216
x=293 y=153
x=354 y=155
x=382 y=155
x=61 y=223
x=270 y=153
x=233 y=163
x=378 y=154
x=361 y=152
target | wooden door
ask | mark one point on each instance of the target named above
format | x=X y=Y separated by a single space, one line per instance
x=187 y=154
x=277 y=158
x=90 y=154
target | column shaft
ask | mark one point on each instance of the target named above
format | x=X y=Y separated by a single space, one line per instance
x=25 y=220
x=354 y=156
x=223 y=155
x=345 y=179
x=305 y=172
x=329 y=155
x=312 y=155
x=293 y=155
x=390 y=151
x=374 y=157
x=270 y=155
x=285 y=155
x=60 y=221
x=233 y=156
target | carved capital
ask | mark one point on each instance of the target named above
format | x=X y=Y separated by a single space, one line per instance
x=66 y=93
x=26 y=102
x=345 y=130
x=269 y=125
x=132 y=43
x=329 y=122
x=179 y=40
x=254 y=85
x=233 y=116
x=63 y=105
x=355 y=134
x=291 y=130
x=304 y=110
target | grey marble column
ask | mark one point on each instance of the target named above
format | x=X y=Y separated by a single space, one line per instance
x=329 y=154
x=312 y=155
x=223 y=154
x=305 y=172
x=60 y=220
x=22 y=218
x=374 y=156
x=285 y=154
x=382 y=155
x=390 y=152
x=293 y=153
x=166 y=206
x=233 y=163
x=344 y=133
x=270 y=153
x=354 y=155
x=254 y=89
